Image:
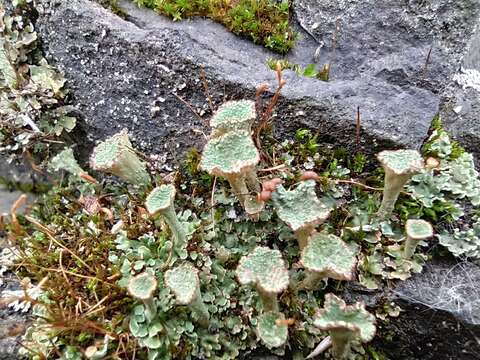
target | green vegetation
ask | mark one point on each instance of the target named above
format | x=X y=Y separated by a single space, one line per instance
x=264 y=21
x=309 y=71
x=182 y=270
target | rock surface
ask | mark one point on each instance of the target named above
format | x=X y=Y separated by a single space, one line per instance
x=460 y=107
x=126 y=73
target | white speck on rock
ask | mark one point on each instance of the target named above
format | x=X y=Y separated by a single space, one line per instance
x=468 y=78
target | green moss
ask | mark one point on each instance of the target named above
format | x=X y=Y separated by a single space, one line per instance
x=263 y=21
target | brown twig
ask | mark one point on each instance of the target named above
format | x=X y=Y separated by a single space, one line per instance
x=427 y=61
x=17 y=228
x=275 y=168
x=49 y=233
x=190 y=108
x=265 y=117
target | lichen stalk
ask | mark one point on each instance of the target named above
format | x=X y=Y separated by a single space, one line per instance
x=341 y=340
x=239 y=187
x=252 y=181
x=410 y=246
x=176 y=227
x=303 y=234
x=311 y=281
x=394 y=184
x=150 y=309
x=200 y=309
x=131 y=169
x=269 y=300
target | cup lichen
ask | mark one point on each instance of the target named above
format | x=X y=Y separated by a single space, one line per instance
x=345 y=323
x=161 y=201
x=301 y=209
x=416 y=230
x=183 y=282
x=399 y=166
x=265 y=269
x=327 y=256
x=117 y=156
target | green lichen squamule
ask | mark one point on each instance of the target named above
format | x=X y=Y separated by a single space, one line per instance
x=65 y=160
x=116 y=156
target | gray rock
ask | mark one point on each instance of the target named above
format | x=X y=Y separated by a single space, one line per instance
x=460 y=107
x=408 y=44
x=125 y=73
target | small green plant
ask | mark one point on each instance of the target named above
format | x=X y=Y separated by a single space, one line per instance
x=117 y=156
x=345 y=324
x=309 y=71
x=264 y=21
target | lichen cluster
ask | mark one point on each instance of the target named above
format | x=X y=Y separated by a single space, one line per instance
x=216 y=263
x=33 y=113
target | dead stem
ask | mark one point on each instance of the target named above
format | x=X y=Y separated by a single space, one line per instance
x=49 y=233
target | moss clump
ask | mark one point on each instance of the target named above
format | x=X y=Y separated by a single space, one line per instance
x=266 y=22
